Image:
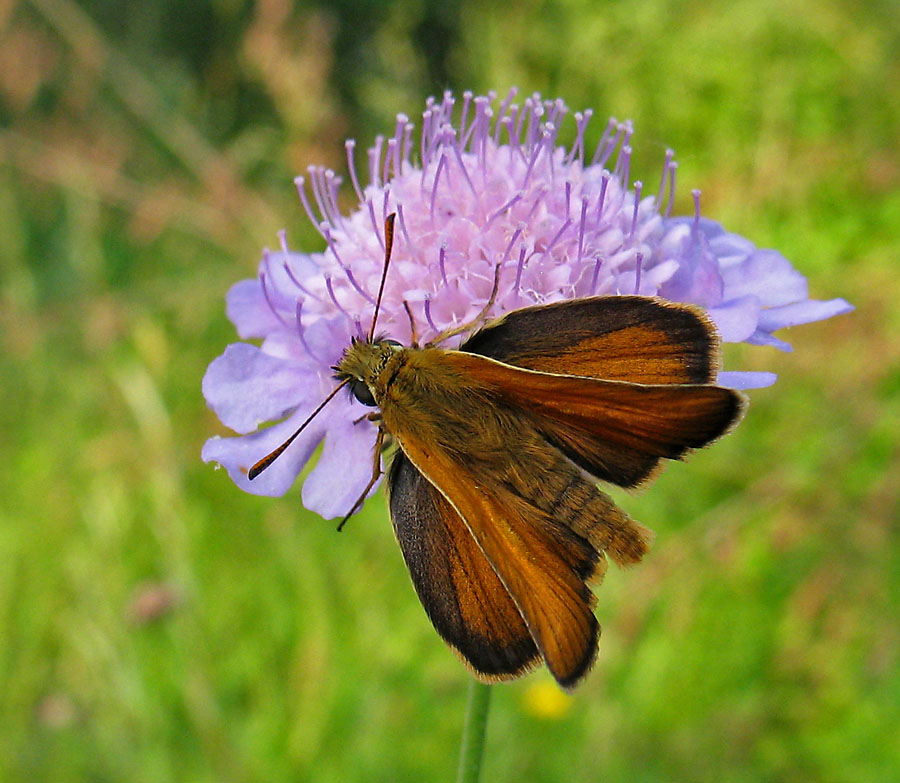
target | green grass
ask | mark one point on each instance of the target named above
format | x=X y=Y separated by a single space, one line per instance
x=145 y=162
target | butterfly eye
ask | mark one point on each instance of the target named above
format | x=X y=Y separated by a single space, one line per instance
x=361 y=392
x=393 y=342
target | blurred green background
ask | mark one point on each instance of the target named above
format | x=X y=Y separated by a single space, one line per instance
x=156 y=624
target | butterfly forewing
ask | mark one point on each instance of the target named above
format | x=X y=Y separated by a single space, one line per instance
x=618 y=338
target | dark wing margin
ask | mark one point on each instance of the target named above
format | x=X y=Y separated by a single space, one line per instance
x=462 y=595
x=618 y=338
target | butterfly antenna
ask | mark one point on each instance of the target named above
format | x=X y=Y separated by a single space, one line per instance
x=388 y=244
x=260 y=466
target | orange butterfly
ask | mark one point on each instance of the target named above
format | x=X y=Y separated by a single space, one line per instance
x=492 y=491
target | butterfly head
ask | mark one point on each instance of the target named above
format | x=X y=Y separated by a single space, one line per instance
x=363 y=363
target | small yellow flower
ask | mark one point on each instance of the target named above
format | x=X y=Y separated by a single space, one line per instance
x=544 y=699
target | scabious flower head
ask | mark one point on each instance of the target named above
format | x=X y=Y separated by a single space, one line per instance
x=488 y=185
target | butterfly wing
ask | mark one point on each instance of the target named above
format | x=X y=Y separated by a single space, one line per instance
x=618 y=338
x=463 y=596
x=540 y=525
x=543 y=566
x=618 y=431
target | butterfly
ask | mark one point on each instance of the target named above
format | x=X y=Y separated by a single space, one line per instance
x=493 y=490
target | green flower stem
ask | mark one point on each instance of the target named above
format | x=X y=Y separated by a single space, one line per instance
x=472 y=750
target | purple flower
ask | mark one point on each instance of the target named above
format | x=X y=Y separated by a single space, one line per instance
x=495 y=187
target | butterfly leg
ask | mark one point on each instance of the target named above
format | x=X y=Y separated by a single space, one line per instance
x=376 y=474
x=478 y=319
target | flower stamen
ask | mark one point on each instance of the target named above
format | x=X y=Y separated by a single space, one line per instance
x=665 y=174
x=606 y=144
x=428 y=318
x=434 y=188
x=581 y=225
x=375 y=160
x=350 y=146
x=502 y=119
x=519 y=268
x=293 y=278
x=597 y=264
x=623 y=167
x=512 y=241
x=565 y=227
x=442 y=256
x=638 y=186
x=504 y=209
x=300 y=181
x=673 y=169
x=316 y=180
x=604 y=184
x=265 y=288
x=371 y=207
x=389 y=159
x=330 y=287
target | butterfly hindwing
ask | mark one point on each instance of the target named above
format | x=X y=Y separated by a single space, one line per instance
x=463 y=596
x=543 y=566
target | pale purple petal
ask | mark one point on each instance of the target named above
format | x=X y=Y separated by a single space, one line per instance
x=759 y=337
x=248 y=310
x=661 y=273
x=728 y=247
x=288 y=270
x=746 y=380
x=317 y=346
x=767 y=275
x=280 y=274
x=801 y=313
x=698 y=278
x=736 y=320
x=246 y=387
x=238 y=455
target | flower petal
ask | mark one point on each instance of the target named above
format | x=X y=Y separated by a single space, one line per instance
x=237 y=455
x=319 y=346
x=279 y=280
x=246 y=387
x=746 y=380
x=248 y=310
x=768 y=275
x=736 y=320
x=801 y=313
x=759 y=337
x=698 y=278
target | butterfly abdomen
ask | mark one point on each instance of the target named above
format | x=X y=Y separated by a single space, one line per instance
x=565 y=494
